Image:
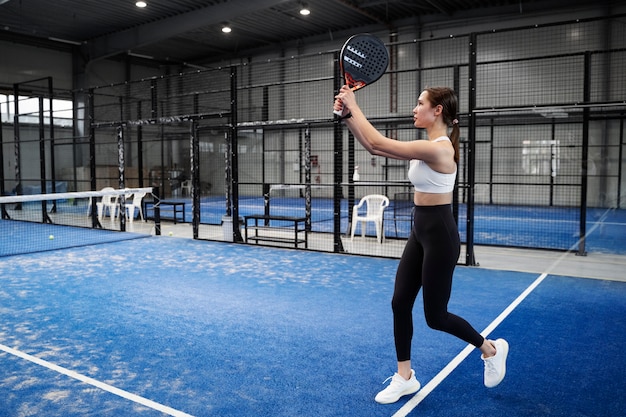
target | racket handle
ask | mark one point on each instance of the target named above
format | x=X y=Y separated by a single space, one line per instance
x=340 y=111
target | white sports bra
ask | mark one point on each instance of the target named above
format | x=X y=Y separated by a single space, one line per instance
x=427 y=180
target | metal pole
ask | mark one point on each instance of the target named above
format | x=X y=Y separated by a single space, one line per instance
x=95 y=222
x=53 y=209
x=471 y=154
x=2 y=190
x=16 y=141
x=338 y=168
x=42 y=163
x=122 y=180
x=455 y=194
x=307 y=177
x=234 y=165
x=195 y=178
x=585 y=155
x=140 y=147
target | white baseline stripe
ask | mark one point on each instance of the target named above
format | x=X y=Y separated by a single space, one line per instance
x=106 y=387
x=443 y=374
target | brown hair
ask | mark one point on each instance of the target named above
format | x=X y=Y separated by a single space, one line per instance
x=446 y=97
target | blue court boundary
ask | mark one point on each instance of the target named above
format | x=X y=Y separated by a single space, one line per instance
x=215 y=329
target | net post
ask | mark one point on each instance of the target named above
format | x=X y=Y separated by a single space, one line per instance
x=95 y=222
x=42 y=164
x=266 y=202
x=53 y=209
x=156 y=206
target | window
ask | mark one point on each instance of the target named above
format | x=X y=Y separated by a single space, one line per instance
x=62 y=110
x=540 y=157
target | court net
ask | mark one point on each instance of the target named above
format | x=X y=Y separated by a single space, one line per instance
x=44 y=222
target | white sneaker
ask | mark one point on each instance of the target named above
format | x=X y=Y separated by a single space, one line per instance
x=495 y=366
x=397 y=388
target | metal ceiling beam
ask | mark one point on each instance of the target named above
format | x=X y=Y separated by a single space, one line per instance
x=351 y=5
x=444 y=10
x=121 y=42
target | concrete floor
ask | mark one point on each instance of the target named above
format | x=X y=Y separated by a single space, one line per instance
x=592 y=265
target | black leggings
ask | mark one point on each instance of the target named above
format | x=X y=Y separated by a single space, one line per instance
x=428 y=262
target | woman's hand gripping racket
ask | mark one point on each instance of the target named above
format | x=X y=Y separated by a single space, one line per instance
x=363 y=60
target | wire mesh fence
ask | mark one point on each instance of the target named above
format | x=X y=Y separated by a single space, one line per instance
x=542 y=125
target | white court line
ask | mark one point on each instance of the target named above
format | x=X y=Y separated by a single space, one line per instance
x=443 y=374
x=106 y=387
x=447 y=370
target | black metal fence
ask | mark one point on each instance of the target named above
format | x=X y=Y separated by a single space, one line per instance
x=542 y=112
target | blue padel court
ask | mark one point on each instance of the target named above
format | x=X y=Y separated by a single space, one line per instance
x=166 y=326
x=190 y=226
x=516 y=226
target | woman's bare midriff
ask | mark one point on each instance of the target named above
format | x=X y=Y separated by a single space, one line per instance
x=430 y=199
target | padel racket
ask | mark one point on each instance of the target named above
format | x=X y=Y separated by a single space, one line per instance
x=363 y=60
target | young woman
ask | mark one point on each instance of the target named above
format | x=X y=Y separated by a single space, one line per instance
x=433 y=247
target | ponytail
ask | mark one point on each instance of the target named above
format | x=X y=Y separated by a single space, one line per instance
x=454 y=138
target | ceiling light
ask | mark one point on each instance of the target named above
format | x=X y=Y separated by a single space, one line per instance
x=226 y=29
x=63 y=40
x=141 y=4
x=304 y=11
x=130 y=53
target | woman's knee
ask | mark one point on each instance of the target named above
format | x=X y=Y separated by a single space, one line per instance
x=401 y=304
x=436 y=320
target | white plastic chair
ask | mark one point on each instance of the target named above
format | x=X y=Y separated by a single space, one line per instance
x=108 y=202
x=136 y=204
x=186 y=187
x=375 y=205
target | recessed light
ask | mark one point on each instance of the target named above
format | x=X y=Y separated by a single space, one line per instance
x=141 y=4
x=226 y=29
x=304 y=9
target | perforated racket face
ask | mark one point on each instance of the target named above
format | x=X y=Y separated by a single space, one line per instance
x=364 y=60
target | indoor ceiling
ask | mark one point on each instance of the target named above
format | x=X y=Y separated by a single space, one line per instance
x=190 y=31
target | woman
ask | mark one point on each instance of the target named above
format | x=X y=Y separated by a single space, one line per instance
x=432 y=250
